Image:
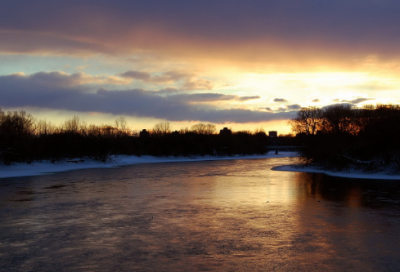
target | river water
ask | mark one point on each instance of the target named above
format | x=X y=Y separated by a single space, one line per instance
x=198 y=216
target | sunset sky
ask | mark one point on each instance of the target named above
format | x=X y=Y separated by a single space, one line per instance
x=241 y=64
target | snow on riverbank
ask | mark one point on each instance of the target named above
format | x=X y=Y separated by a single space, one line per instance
x=46 y=167
x=349 y=174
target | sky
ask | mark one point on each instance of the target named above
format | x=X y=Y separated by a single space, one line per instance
x=239 y=64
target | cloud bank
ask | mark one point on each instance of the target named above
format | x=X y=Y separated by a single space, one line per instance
x=255 y=30
x=65 y=92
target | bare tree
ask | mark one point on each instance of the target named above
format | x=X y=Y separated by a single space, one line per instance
x=120 y=124
x=184 y=130
x=15 y=124
x=259 y=131
x=73 y=125
x=44 y=127
x=162 y=128
x=206 y=129
x=308 y=121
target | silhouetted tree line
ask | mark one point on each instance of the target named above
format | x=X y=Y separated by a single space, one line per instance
x=342 y=137
x=23 y=139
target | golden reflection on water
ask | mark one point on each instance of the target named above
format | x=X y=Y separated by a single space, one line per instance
x=219 y=216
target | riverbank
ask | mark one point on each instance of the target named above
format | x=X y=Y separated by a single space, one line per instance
x=46 y=167
x=343 y=174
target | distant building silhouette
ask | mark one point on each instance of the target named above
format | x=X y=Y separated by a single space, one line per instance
x=175 y=132
x=273 y=134
x=144 y=133
x=225 y=131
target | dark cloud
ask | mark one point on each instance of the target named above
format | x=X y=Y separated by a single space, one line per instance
x=280 y=100
x=61 y=80
x=169 y=91
x=137 y=75
x=51 y=79
x=353 y=101
x=311 y=27
x=337 y=104
x=27 y=91
x=245 y=98
x=359 y=100
x=294 y=107
x=266 y=108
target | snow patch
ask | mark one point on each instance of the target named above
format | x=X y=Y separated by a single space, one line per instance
x=46 y=167
x=350 y=174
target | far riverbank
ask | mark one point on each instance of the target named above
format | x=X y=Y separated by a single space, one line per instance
x=46 y=167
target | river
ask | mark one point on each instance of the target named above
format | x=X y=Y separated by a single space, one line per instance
x=236 y=215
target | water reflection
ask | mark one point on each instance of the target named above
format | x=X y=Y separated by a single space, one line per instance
x=351 y=192
x=353 y=219
x=218 y=216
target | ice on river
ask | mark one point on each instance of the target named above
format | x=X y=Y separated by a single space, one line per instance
x=232 y=215
x=344 y=174
x=46 y=167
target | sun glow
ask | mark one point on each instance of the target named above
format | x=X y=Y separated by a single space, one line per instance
x=309 y=80
x=308 y=88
